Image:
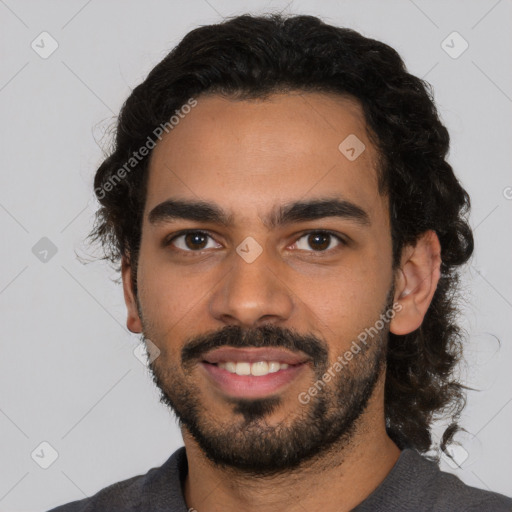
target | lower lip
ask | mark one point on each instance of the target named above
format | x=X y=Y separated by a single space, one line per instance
x=251 y=386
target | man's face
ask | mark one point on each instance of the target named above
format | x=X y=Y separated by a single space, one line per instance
x=265 y=289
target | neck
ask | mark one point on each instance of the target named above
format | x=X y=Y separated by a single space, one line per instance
x=338 y=480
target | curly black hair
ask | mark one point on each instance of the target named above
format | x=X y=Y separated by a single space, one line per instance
x=248 y=57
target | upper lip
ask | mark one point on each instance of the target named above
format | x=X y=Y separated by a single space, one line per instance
x=253 y=355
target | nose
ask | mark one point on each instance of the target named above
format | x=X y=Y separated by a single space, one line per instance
x=252 y=294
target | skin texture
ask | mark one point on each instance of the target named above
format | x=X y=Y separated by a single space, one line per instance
x=249 y=157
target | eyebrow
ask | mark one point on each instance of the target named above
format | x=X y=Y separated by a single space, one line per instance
x=289 y=213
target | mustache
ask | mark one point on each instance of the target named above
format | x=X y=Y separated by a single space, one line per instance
x=268 y=336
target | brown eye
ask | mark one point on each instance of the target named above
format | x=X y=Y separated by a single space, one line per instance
x=195 y=240
x=319 y=241
x=191 y=241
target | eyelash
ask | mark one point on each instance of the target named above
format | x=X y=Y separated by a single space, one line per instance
x=169 y=241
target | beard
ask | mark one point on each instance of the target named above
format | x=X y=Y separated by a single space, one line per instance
x=247 y=442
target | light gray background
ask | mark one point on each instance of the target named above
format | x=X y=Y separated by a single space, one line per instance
x=68 y=375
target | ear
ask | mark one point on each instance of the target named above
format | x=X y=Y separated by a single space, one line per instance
x=133 y=321
x=416 y=282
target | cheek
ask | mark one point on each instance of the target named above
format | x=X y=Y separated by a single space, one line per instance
x=165 y=305
x=164 y=295
x=350 y=299
x=167 y=297
x=340 y=306
x=174 y=298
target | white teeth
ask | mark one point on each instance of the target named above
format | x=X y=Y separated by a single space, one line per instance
x=273 y=367
x=229 y=366
x=243 y=368
x=258 y=368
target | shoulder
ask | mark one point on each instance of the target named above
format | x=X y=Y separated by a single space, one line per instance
x=445 y=491
x=416 y=483
x=141 y=492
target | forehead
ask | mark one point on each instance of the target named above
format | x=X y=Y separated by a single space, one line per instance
x=251 y=154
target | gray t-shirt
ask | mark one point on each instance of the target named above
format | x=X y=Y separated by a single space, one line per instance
x=415 y=484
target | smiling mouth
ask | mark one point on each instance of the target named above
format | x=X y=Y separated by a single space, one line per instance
x=257 y=369
x=252 y=372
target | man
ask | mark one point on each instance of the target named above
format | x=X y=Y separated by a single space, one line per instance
x=290 y=234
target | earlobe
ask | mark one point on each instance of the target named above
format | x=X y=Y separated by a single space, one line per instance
x=416 y=282
x=133 y=321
